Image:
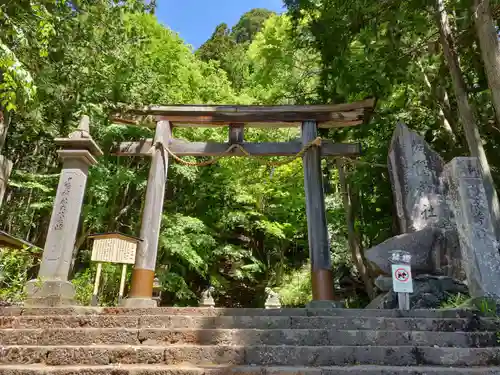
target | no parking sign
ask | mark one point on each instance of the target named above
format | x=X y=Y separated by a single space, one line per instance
x=401 y=278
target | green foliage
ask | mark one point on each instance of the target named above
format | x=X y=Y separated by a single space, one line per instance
x=84 y=286
x=456 y=301
x=228 y=47
x=25 y=25
x=296 y=288
x=219 y=43
x=282 y=72
x=17 y=266
x=250 y=24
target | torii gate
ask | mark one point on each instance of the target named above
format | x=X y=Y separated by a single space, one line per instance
x=165 y=118
x=79 y=152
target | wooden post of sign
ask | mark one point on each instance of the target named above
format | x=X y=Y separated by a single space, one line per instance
x=122 y=283
x=94 y=301
x=319 y=249
x=141 y=290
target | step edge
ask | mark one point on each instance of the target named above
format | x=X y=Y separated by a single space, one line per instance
x=175 y=346
x=86 y=316
x=243 y=330
x=202 y=367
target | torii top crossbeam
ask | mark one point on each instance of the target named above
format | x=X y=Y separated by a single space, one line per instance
x=326 y=116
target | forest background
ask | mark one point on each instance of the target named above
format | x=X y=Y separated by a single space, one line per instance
x=237 y=225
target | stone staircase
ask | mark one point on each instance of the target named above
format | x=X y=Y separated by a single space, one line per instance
x=195 y=341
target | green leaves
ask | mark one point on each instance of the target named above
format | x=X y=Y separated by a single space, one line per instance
x=187 y=239
x=16 y=267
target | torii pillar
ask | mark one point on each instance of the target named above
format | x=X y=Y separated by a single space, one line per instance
x=52 y=287
x=319 y=248
x=143 y=274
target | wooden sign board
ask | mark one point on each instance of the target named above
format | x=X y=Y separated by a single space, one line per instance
x=114 y=249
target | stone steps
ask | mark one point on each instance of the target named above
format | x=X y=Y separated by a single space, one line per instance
x=262 y=355
x=244 y=337
x=192 y=341
x=239 y=370
x=236 y=312
x=255 y=322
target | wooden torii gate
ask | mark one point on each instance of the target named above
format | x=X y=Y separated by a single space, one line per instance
x=166 y=118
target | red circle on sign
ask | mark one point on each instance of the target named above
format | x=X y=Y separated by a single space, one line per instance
x=402 y=275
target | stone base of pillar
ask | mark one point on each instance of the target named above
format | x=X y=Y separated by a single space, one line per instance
x=139 y=302
x=49 y=293
x=325 y=305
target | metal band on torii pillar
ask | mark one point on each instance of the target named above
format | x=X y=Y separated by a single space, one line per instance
x=143 y=274
x=319 y=249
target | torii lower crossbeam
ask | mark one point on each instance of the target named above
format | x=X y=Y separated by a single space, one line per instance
x=184 y=148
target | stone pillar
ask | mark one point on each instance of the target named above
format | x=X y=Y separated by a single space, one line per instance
x=319 y=248
x=476 y=226
x=143 y=274
x=52 y=287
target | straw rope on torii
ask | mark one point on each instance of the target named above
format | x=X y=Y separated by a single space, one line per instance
x=316 y=142
x=309 y=147
x=215 y=159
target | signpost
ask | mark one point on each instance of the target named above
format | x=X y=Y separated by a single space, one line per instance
x=402 y=282
x=115 y=248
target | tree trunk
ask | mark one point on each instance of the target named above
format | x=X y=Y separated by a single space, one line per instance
x=465 y=111
x=357 y=256
x=445 y=123
x=490 y=51
x=4 y=126
x=5 y=164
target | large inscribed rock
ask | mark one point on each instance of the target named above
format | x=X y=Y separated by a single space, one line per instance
x=476 y=231
x=414 y=169
x=424 y=217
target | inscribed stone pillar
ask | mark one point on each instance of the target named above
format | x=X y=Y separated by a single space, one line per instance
x=476 y=226
x=143 y=274
x=319 y=248
x=52 y=287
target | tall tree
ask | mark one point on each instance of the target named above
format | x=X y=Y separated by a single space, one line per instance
x=487 y=35
x=218 y=45
x=467 y=117
x=250 y=24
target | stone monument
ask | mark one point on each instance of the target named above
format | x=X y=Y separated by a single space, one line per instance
x=446 y=225
x=475 y=225
x=425 y=219
x=52 y=287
